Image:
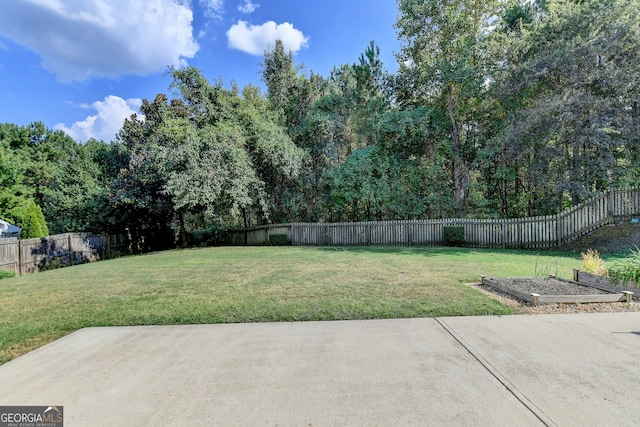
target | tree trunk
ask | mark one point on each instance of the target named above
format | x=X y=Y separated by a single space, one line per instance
x=183 y=230
x=575 y=163
x=635 y=133
x=460 y=171
x=244 y=217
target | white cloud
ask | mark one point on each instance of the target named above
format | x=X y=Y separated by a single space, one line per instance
x=213 y=9
x=79 y=39
x=248 y=6
x=255 y=39
x=105 y=124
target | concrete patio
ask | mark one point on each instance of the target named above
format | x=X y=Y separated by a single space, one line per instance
x=566 y=370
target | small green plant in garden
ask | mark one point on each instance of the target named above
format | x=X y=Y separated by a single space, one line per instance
x=545 y=270
x=4 y=274
x=592 y=263
x=627 y=269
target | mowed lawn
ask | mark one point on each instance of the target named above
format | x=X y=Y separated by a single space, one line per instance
x=257 y=284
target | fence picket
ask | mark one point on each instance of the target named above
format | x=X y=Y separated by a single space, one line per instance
x=32 y=255
x=534 y=232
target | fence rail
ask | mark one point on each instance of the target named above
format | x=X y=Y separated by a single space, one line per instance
x=32 y=255
x=534 y=232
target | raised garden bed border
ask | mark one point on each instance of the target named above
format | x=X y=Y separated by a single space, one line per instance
x=537 y=299
x=603 y=283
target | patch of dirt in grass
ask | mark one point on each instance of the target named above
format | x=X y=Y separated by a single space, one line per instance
x=24 y=347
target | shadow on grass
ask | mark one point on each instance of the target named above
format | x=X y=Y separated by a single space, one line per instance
x=444 y=250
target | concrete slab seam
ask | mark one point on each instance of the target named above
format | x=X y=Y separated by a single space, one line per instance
x=520 y=396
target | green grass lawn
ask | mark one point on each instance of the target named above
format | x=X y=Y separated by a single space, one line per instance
x=258 y=284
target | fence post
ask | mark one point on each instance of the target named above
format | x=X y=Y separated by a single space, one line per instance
x=70 y=250
x=291 y=234
x=559 y=229
x=611 y=208
x=108 y=253
x=326 y=234
x=20 y=268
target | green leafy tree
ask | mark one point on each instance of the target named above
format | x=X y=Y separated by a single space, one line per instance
x=340 y=122
x=442 y=64
x=24 y=213
x=22 y=151
x=247 y=146
x=139 y=194
x=79 y=197
x=28 y=215
x=207 y=154
x=290 y=93
x=275 y=157
x=569 y=86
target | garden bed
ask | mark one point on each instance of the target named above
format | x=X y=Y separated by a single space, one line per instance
x=604 y=283
x=552 y=290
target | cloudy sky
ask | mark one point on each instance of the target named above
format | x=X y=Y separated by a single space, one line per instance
x=84 y=65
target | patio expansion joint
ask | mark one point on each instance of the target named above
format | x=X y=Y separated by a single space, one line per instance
x=511 y=388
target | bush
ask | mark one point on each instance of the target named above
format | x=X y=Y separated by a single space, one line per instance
x=4 y=274
x=592 y=263
x=28 y=216
x=453 y=235
x=627 y=269
x=279 y=239
x=50 y=264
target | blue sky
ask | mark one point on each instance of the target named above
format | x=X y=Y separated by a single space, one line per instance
x=82 y=66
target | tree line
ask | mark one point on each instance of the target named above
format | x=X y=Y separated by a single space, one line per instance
x=498 y=109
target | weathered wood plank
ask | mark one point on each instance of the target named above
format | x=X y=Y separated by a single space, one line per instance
x=31 y=255
x=520 y=295
x=581 y=299
x=534 y=232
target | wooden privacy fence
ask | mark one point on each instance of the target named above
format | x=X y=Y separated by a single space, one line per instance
x=32 y=255
x=534 y=232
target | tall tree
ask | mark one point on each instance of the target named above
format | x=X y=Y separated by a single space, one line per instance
x=289 y=92
x=571 y=81
x=209 y=152
x=278 y=73
x=441 y=63
x=391 y=179
x=340 y=122
x=139 y=193
x=79 y=197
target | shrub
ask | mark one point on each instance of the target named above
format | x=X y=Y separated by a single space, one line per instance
x=50 y=264
x=28 y=215
x=279 y=239
x=4 y=274
x=592 y=263
x=627 y=269
x=453 y=235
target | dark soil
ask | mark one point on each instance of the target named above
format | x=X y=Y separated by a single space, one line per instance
x=547 y=286
x=618 y=238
